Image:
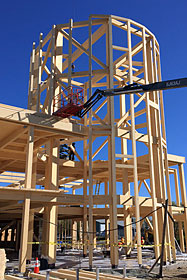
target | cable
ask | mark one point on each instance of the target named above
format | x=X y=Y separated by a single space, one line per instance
x=109 y=230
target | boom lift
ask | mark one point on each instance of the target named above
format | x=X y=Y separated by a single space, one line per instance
x=130 y=89
x=72 y=104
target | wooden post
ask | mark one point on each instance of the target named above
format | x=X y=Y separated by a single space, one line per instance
x=181 y=234
x=107 y=222
x=74 y=234
x=70 y=54
x=30 y=235
x=163 y=238
x=94 y=235
x=183 y=196
x=52 y=77
x=111 y=155
x=51 y=212
x=17 y=235
x=90 y=152
x=31 y=77
x=137 y=210
x=39 y=76
x=127 y=216
x=151 y=163
x=26 y=204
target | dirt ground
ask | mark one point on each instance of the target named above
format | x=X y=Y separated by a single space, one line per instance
x=177 y=271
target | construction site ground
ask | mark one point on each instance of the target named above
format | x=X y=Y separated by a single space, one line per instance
x=73 y=258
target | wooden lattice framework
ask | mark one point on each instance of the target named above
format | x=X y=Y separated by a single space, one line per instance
x=128 y=53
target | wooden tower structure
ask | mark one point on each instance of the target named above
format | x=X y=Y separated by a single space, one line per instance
x=123 y=150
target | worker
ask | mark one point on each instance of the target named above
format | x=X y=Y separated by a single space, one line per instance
x=71 y=152
x=121 y=242
x=142 y=241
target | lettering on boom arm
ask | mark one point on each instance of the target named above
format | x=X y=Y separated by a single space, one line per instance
x=173 y=83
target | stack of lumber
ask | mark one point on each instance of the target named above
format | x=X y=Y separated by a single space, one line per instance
x=70 y=275
x=2 y=263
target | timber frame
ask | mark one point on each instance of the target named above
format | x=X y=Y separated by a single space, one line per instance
x=124 y=146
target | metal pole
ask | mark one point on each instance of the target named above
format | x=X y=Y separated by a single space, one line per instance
x=97 y=273
x=124 y=271
x=77 y=273
x=163 y=238
x=47 y=274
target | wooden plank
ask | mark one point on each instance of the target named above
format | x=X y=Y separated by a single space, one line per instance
x=12 y=136
x=124 y=166
x=39 y=276
x=118 y=48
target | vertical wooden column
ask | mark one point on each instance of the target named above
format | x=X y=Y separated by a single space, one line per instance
x=151 y=163
x=58 y=68
x=70 y=54
x=107 y=235
x=74 y=229
x=157 y=149
x=183 y=196
x=80 y=234
x=181 y=234
x=163 y=151
x=85 y=177
x=137 y=209
x=126 y=186
x=39 y=77
x=94 y=236
x=111 y=155
x=74 y=233
x=26 y=203
x=127 y=216
x=17 y=235
x=90 y=152
x=51 y=212
x=52 y=77
x=31 y=77
x=30 y=235
x=31 y=214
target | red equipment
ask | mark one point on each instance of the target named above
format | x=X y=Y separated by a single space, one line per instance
x=69 y=102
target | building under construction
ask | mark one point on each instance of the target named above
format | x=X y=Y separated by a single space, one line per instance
x=121 y=170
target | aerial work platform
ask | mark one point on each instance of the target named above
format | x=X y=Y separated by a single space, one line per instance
x=122 y=169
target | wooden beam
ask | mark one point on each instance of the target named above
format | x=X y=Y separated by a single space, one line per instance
x=26 y=204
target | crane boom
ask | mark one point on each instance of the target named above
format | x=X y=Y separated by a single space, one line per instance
x=131 y=89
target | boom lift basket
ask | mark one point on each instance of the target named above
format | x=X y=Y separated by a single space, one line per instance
x=69 y=102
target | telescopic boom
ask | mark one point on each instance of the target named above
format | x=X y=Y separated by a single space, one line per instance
x=131 y=89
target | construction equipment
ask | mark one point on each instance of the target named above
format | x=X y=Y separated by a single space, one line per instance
x=130 y=89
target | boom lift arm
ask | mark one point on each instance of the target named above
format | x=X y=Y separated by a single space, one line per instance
x=130 y=89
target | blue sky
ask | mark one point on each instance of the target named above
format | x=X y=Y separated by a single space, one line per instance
x=22 y=21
